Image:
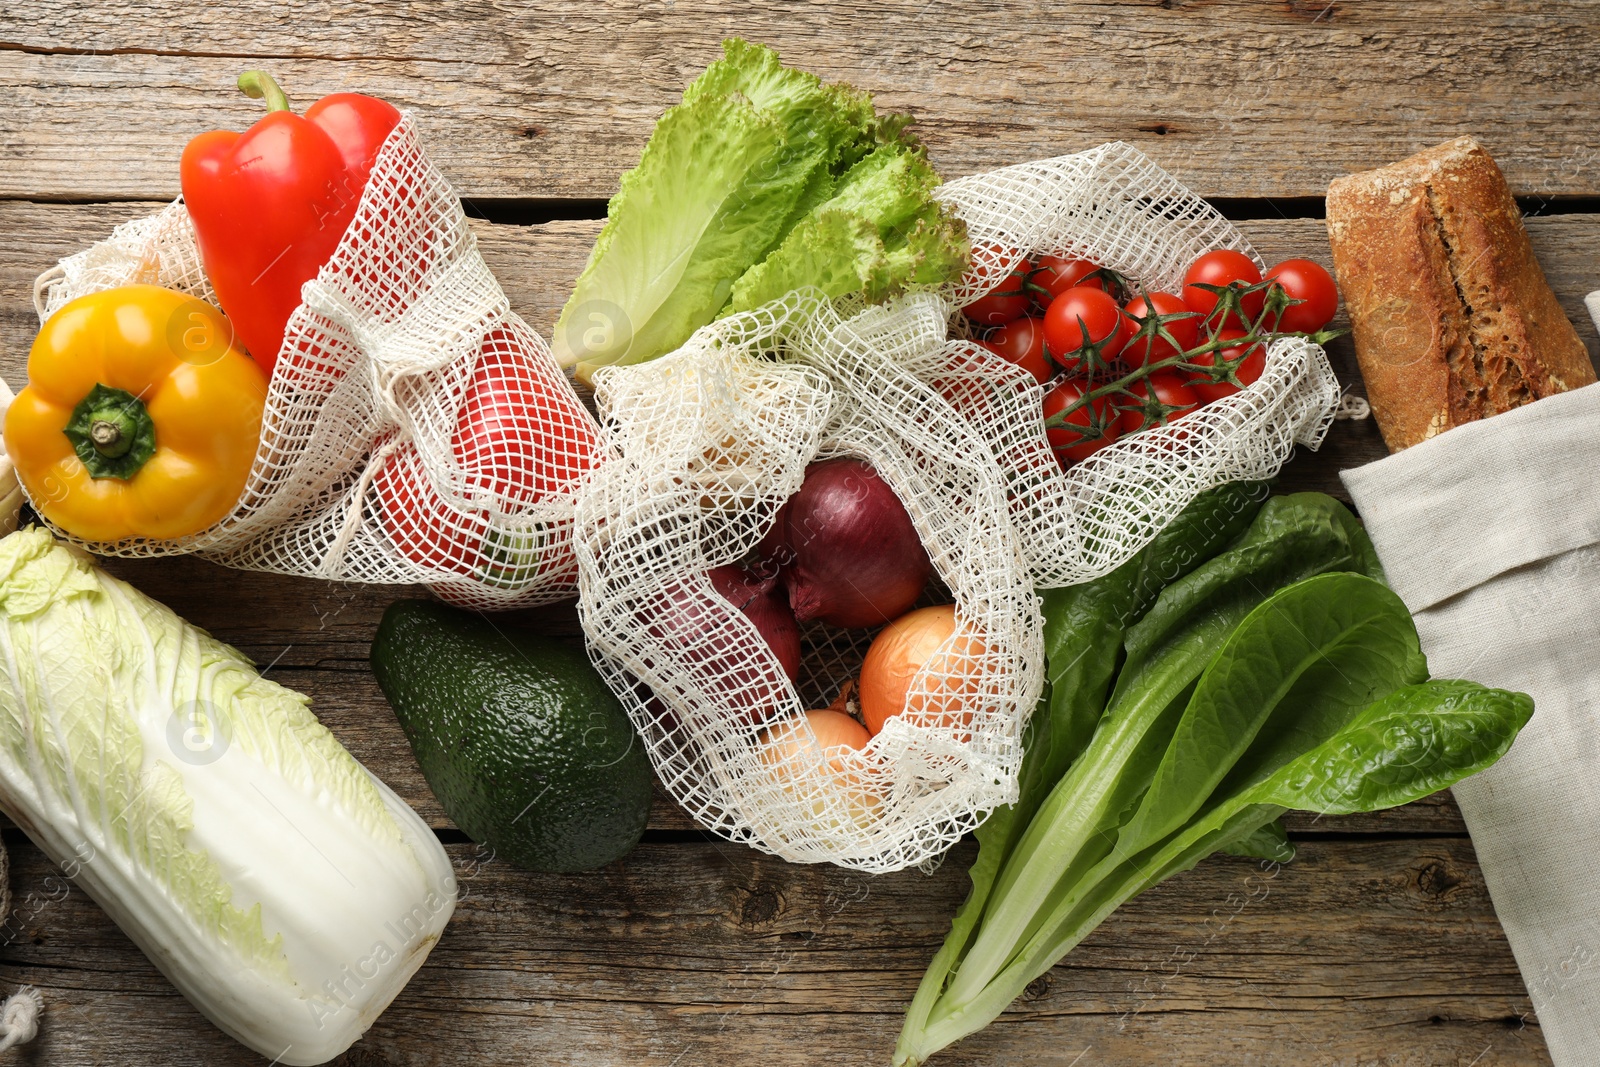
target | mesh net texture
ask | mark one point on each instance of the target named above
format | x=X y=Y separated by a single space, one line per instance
x=1112 y=205
x=415 y=429
x=709 y=442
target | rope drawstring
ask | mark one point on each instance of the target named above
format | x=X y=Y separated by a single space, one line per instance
x=19 y=1017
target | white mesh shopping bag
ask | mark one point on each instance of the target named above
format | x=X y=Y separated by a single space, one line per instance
x=416 y=430
x=709 y=442
x=1115 y=207
x=713 y=438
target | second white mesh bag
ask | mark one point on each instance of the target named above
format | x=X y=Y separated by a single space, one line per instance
x=1112 y=205
x=416 y=430
x=709 y=442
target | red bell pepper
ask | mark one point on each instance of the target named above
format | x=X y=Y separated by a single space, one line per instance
x=270 y=205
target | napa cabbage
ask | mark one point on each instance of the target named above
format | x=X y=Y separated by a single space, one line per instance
x=281 y=887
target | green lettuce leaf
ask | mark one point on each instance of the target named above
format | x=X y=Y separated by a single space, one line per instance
x=834 y=251
x=757 y=160
x=880 y=231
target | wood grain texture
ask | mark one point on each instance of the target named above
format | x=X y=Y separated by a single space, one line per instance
x=556 y=100
x=1365 y=950
x=314 y=636
x=1382 y=952
x=1377 y=946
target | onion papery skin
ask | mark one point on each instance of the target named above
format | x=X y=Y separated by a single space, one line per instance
x=849 y=553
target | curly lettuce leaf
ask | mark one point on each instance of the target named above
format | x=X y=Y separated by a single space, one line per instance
x=879 y=232
x=721 y=176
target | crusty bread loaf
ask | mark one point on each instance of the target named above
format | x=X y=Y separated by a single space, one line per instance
x=1452 y=317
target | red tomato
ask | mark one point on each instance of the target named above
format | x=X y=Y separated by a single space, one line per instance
x=1186 y=331
x=520 y=437
x=1247 y=368
x=1167 y=389
x=1006 y=301
x=1305 y=281
x=1056 y=274
x=1097 y=419
x=1079 y=309
x=1223 y=266
x=1021 y=341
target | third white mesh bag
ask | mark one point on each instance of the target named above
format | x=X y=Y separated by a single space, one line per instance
x=1115 y=207
x=709 y=442
x=416 y=430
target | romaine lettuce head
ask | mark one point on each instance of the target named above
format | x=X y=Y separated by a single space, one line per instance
x=279 y=885
x=758 y=160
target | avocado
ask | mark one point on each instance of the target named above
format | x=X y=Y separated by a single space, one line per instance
x=517 y=735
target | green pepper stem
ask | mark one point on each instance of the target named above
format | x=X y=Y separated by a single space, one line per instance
x=259 y=85
x=108 y=438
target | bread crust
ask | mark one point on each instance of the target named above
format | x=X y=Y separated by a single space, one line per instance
x=1452 y=318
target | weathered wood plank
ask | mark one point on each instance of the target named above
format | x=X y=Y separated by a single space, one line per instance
x=1240 y=97
x=315 y=635
x=683 y=954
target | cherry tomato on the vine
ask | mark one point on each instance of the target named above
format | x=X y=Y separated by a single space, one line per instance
x=1021 y=341
x=1090 y=428
x=1140 y=351
x=1006 y=301
x=1305 y=280
x=1080 y=317
x=1247 y=367
x=1054 y=275
x=1222 y=267
x=1169 y=389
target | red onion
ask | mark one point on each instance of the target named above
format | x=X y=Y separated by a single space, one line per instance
x=850 y=555
x=763 y=603
x=687 y=626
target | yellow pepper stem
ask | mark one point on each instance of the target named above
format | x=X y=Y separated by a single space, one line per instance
x=112 y=433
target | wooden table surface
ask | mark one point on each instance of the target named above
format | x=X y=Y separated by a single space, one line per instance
x=1377 y=946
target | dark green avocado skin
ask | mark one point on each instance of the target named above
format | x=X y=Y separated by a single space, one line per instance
x=518 y=736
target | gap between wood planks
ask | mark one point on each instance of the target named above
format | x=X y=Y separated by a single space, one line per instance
x=449 y=835
x=537 y=211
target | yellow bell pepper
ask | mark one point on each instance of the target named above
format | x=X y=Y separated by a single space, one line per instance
x=140 y=418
